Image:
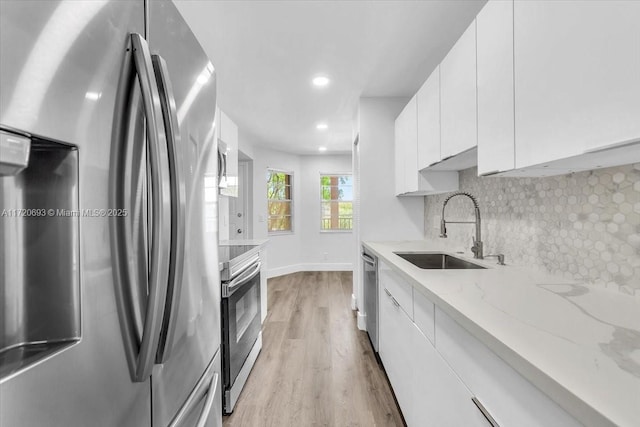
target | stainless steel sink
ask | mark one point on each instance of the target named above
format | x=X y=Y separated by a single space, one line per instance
x=437 y=261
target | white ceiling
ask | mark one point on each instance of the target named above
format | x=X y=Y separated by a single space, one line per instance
x=266 y=53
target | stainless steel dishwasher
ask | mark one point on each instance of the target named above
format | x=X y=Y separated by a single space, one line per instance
x=370 y=280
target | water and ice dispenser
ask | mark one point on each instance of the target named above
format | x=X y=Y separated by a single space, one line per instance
x=39 y=250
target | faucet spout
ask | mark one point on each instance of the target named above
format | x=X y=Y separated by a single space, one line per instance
x=477 y=241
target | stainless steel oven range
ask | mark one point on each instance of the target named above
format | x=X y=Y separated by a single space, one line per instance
x=241 y=320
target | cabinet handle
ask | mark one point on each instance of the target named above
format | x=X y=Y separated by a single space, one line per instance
x=493 y=172
x=484 y=411
x=393 y=300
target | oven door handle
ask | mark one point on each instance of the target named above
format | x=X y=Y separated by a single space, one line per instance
x=236 y=283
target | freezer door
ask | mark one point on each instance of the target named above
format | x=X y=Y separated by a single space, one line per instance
x=192 y=313
x=60 y=65
x=203 y=407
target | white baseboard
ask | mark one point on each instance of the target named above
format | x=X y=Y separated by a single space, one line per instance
x=288 y=269
x=354 y=302
x=362 y=321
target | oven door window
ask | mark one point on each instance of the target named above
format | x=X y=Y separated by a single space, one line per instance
x=241 y=326
x=246 y=310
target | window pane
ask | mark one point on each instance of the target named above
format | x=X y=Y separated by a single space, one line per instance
x=279 y=223
x=279 y=201
x=336 y=207
x=279 y=208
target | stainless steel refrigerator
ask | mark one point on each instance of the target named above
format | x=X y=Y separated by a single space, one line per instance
x=110 y=287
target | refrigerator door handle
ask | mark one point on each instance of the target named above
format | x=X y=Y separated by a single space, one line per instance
x=208 y=404
x=194 y=398
x=178 y=218
x=160 y=209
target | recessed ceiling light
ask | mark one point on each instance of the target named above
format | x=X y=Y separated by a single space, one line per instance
x=322 y=126
x=322 y=148
x=320 y=81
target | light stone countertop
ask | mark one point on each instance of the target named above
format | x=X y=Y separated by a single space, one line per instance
x=579 y=344
x=243 y=242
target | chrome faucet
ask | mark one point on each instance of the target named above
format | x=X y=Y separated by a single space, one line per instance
x=477 y=242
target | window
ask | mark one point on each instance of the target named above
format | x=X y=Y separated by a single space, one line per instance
x=279 y=201
x=336 y=202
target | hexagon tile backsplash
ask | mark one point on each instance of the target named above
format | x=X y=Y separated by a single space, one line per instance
x=583 y=226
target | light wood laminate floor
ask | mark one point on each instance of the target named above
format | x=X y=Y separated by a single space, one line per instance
x=315 y=368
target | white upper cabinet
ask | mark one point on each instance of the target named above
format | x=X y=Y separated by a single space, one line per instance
x=409 y=181
x=406 y=149
x=228 y=142
x=409 y=145
x=458 y=96
x=496 y=134
x=577 y=81
x=429 y=121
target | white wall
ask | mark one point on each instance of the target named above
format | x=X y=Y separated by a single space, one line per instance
x=338 y=246
x=305 y=248
x=382 y=215
x=284 y=249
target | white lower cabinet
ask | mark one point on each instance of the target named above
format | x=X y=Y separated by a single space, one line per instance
x=507 y=396
x=395 y=347
x=428 y=391
x=439 y=398
x=434 y=385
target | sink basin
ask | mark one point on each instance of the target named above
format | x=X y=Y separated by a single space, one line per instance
x=437 y=261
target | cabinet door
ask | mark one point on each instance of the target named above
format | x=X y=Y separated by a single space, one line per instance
x=398 y=155
x=424 y=315
x=411 y=146
x=577 y=77
x=439 y=397
x=428 y=116
x=458 y=96
x=395 y=335
x=229 y=135
x=496 y=143
x=406 y=149
x=509 y=397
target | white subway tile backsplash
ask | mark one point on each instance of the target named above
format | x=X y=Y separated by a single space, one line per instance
x=584 y=226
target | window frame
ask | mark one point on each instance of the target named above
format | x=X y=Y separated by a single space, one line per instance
x=291 y=203
x=336 y=174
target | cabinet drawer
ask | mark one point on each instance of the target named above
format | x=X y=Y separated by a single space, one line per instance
x=398 y=288
x=423 y=313
x=509 y=397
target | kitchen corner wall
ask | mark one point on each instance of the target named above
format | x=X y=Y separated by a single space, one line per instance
x=584 y=226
